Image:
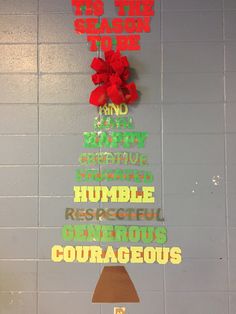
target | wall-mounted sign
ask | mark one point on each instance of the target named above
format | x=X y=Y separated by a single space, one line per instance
x=123 y=32
x=122 y=255
x=111 y=214
x=113 y=129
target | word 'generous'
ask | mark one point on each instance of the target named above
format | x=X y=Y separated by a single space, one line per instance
x=110 y=233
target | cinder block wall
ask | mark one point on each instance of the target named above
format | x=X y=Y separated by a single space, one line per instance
x=186 y=72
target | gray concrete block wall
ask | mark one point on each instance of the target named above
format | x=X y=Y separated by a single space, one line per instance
x=186 y=72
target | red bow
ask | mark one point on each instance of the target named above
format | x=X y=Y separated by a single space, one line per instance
x=112 y=75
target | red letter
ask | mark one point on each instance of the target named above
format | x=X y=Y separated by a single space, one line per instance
x=130 y=25
x=117 y=25
x=78 y=4
x=143 y=25
x=122 y=43
x=105 y=26
x=106 y=44
x=91 y=7
x=98 y=7
x=79 y=26
x=134 y=42
x=91 y=26
x=134 y=8
x=148 y=8
x=93 y=40
x=121 y=4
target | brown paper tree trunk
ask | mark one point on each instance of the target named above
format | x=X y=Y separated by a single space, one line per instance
x=115 y=286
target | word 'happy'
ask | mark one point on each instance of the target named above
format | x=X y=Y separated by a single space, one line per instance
x=114 y=139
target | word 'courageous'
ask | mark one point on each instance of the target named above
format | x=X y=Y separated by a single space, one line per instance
x=123 y=255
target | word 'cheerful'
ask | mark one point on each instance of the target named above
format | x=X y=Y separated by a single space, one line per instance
x=104 y=122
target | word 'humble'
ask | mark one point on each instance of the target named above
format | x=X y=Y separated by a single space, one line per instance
x=121 y=194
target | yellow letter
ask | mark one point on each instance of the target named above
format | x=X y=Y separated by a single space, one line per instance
x=116 y=108
x=82 y=254
x=110 y=255
x=149 y=255
x=69 y=254
x=106 y=192
x=124 y=109
x=147 y=194
x=96 y=254
x=57 y=253
x=123 y=255
x=134 y=198
x=80 y=194
x=175 y=255
x=94 y=194
x=162 y=255
x=104 y=110
x=136 y=254
x=124 y=194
